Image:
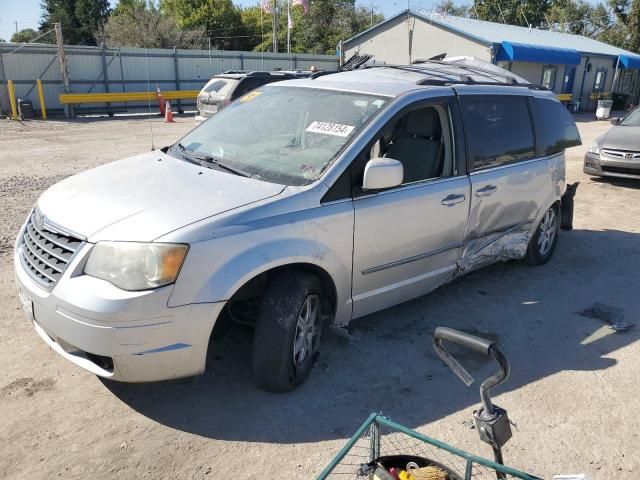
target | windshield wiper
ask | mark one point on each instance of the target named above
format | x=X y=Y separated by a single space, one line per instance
x=208 y=160
x=218 y=162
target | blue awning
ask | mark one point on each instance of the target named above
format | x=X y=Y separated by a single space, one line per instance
x=629 y=61
x=520 y=52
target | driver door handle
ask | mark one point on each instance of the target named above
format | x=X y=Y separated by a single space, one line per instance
x=451 y=200
x=486 y=191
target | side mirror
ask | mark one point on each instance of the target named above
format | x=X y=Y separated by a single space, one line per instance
x=616 y=120
x=380 y=173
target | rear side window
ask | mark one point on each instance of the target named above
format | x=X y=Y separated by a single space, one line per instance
x=247 y=84
x=555 y=127
x=498 y=130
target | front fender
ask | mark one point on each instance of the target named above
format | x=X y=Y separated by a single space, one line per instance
x=218 y=267
x=248 y=264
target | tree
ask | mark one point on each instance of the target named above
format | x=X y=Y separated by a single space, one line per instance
x=81 y=20
x=578 y=17
x=341 y=20
x=512 y=12
x=136 y=23
x=627 y=13
x=220 y=19
x=448 y=7
x=24 y=36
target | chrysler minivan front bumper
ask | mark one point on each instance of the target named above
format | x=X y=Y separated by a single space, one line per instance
x=116 y=334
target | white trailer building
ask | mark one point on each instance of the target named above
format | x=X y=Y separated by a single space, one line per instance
x=579 y=69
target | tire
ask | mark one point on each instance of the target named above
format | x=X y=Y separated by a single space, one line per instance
x=544 y=240
x=283 y=349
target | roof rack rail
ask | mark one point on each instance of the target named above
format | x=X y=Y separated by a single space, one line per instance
x=323 y=73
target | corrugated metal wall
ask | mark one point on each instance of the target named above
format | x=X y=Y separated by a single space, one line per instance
x=130 y=70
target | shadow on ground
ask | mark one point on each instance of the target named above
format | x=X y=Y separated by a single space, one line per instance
x=617 y=182
x=390 y=365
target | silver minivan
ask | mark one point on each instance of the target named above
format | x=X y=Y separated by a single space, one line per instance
x=303 y=204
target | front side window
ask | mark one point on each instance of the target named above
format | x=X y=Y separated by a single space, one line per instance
x=499 y=130
x=421 y=141
x=280 y=134
x=555 y=127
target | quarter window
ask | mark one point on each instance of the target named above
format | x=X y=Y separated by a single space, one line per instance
x=498 y=130
x=555 y=128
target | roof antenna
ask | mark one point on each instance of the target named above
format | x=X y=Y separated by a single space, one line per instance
x=146 y=64
x=501 y=14
x=525 y=20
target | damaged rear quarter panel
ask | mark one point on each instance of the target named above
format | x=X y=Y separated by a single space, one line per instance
x=501 y=225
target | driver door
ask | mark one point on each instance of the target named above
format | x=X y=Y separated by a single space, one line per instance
x=407 y=239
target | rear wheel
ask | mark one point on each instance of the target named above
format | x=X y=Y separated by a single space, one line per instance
x=288 y=331
x=544 y=240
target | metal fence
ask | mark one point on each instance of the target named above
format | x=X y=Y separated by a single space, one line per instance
x=100 y=70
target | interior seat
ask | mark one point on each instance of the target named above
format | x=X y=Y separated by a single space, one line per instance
x=418 y=145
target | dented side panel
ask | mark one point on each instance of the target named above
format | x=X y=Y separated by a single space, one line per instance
x=507 y=203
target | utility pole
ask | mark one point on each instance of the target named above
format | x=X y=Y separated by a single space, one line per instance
x=16 y=23
x=274 y=25
x=68 y=110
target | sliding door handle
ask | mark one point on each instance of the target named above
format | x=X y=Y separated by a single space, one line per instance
x=451 y=200
x=486 y=191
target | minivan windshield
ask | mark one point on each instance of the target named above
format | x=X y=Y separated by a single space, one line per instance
x=632 y=120
x=280 y=134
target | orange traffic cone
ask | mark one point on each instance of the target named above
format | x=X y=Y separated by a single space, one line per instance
x=168 y=114
x=160 y=100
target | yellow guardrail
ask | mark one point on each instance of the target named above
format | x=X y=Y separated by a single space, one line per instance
x=564 y=97
x=114 y=97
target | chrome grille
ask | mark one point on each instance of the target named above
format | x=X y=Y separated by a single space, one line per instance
x=621 y=154
x=45 y=254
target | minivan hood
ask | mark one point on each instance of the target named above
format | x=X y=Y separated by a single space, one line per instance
x=146 y=196
x=622 y=138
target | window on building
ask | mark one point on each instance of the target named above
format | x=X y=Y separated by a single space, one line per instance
x=600 y=80
x=499 y=130
x=549 y=77
x=555 y=127
x=567 y=81
x=627 y=81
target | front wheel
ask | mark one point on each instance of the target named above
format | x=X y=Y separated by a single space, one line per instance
x=288 y=330
x=544 y=240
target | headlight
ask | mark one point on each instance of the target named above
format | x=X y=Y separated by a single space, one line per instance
x=595 y=148
x=136 y=266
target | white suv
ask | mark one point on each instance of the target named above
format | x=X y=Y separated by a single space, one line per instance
x=303 y=203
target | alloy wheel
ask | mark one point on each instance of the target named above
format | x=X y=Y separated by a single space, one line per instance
x=547 y=231
x=307 y=330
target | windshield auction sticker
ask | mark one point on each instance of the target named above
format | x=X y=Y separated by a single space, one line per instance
x=330 y=128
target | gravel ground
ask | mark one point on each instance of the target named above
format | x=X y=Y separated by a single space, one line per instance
x=573 y=392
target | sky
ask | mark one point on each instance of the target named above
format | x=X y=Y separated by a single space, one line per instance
x=28 y=12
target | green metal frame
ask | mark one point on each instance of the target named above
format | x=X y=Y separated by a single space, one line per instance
x=376 y=420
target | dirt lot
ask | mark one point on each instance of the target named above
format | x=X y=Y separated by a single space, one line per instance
x=573 y=393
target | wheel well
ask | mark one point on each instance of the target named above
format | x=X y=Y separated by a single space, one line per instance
x=254 y=288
